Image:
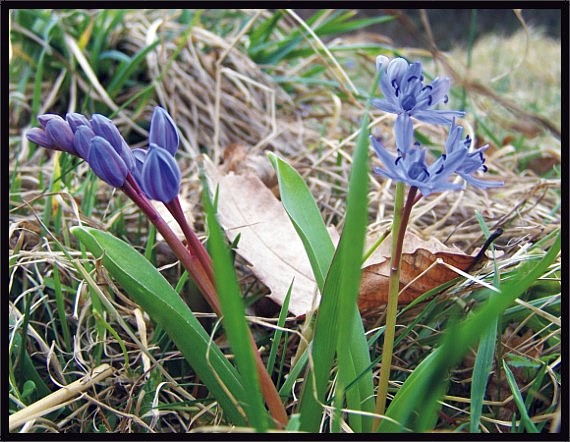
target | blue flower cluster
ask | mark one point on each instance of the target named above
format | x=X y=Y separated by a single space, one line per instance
x=99 y=142
x=406 y=95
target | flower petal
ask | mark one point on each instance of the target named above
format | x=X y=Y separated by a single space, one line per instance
x=435 y=116
x=404 y=132
x=386 y=105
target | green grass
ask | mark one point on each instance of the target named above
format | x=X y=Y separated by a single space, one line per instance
x=465 y=358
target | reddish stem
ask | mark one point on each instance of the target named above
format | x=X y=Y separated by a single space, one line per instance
x=196 y=260
x=194 y=244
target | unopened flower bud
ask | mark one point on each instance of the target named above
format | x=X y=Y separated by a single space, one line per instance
x=40 y=137
x=104 y=127
x=160 y=176
x=82 y=140
x=139 y=156
x=106 y=163
x=61 y=134
x=44 y=118
x=163 y=131
x=76 y=120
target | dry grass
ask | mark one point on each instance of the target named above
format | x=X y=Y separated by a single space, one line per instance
x=219 y=97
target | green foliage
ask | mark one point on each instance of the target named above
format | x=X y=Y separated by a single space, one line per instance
x=154 y=294
x=233 y=318
x=269 y=44
x=338 y=327
x=416 y=404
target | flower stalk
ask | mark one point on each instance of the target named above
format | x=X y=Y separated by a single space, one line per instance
x=399 y=224
x=144 y=175
x=196 y=260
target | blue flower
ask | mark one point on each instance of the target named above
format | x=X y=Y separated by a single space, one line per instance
x=106 y=162
x=160 y=175
x=163 y=131
x=472 y=161
x=406 y=95
x=410 y=166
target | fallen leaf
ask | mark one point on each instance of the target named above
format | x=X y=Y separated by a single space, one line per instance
x=421 y=271
x=268 y=240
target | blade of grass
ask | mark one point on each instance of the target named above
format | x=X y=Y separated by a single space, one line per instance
x=485 y=353
x=416 y=403
x=60 y=303
x=233 y=319
x=126 y=69
x=517 y=396
x=278 y=333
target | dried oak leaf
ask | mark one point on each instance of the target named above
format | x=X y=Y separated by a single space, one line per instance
x=422 y=269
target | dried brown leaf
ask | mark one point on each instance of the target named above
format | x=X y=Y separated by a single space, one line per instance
x=421 y=271
x=268 y=240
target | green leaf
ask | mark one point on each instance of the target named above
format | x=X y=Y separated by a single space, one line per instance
x=481 y=371
x=148 y=288
x=336 y=327
x=305 y=216
x=235 y=325
x=278 y=333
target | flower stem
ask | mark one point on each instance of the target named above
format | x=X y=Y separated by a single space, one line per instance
x=197 y=261
x=399 y=224
x=189 y=260
x=194 y=245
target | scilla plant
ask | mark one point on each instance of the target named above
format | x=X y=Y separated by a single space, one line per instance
x=335 y=369
x=154 y=174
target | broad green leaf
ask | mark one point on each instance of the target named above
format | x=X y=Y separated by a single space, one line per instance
x=306 y=218
x=148 y=288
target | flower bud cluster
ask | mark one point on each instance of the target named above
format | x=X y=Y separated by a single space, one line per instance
x=99 y=142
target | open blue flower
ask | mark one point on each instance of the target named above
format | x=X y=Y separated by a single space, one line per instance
x=410 y=166
x=406 y=95
x=472 y=162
